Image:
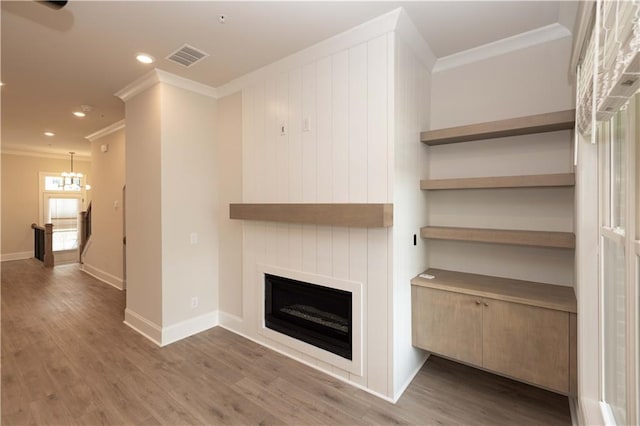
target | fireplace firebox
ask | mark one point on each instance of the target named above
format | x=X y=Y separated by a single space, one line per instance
x=315 y=314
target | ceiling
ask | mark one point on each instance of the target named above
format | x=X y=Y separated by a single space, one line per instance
x=53 y=61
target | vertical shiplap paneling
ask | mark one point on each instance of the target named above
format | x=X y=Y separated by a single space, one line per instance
x=324 y=256
x=357 y=140
x=324 y=159
x=259 y=143
x=377 y=314
x=309 y=248
x=309 y=163
x=248 y=148
x=358 y=258
x=295 y=136
x=377 y=120
x=282 y=139
x=295 y=164
x=340 y=165
x=340 y=126
x=270 y=153
x=324 y=142
x=282 y=164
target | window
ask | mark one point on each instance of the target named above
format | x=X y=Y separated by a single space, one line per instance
x=60 y=207
x=63 y=214
x=619 y=263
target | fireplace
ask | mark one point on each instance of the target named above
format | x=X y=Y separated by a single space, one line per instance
x=318 y=315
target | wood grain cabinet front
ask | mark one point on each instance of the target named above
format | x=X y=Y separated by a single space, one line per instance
x=524 y=342
x=448 y=323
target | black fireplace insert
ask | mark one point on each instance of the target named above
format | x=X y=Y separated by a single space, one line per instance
x=318 y=315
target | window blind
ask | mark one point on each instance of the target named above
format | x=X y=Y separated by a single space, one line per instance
x=609 y=72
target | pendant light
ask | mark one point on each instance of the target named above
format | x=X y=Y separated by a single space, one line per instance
x=72 y=181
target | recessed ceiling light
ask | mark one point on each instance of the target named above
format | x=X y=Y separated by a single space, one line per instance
x=79 y=114
x=49 y=134
x=144 y=58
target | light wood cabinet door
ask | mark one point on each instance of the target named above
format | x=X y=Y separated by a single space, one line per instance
x=447 y=323
x=527 y=343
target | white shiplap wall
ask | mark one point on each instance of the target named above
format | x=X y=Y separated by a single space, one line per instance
x=343 y=157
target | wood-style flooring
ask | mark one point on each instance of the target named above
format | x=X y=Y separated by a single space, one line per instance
x=68 y=359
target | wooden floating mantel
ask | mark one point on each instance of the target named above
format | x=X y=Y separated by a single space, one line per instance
x=348 y=214
x=541 y=123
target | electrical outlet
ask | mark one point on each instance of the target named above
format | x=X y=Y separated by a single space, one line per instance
x=194 y=302
x=193 y=238
x=306 y=125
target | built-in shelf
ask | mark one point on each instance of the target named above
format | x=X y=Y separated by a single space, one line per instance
x=528 y=181
x=541 y=123
x=350 y=215
x=525 y=292
x=501 y=236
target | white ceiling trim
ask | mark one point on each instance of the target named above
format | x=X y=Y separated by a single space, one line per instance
x=156 y=76
x=371 y=29
x=43 y=154
x=106 y=131
x=520 y=41
x=408 y=32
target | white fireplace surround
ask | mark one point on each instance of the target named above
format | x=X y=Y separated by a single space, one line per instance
x=355 y=288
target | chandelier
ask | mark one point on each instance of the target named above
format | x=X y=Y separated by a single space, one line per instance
x=72 y=181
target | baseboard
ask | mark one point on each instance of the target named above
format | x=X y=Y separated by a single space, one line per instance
x=22 y=255
x=189 y=327
x=103 y=276
x=574 y=409
x=315 y=367
x=143 y=326
x=229 y=320
x=410 y=379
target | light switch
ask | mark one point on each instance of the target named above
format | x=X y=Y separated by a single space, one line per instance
x=283 y=129
x=194 y=238
x=306 y=125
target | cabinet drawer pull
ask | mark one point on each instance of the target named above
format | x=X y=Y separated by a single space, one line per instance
x=477 y=302
x=486 y=304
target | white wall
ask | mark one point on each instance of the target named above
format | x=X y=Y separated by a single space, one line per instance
x=171 y=195
x=104 y=254
x=412 y=91
x=524 y=82
x=143 y=212
x=343 y=158
x=229 y=167
x=189 y=205
x=20 y=197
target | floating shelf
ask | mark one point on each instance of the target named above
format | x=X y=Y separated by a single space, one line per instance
x=351 y=215
x=528 y=181
x=501 y=236
x=541 y=123
x=526 y=292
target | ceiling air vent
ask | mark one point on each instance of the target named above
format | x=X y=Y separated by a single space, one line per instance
x=187 y=56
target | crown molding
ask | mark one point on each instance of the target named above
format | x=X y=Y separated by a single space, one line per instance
x=138 y=86
x=42 y=154
x=407 y=31
x=520 y=41
x=106 y=131
x=156 y=76
x=366 y=31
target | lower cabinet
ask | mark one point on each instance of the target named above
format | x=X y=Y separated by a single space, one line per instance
x=519 y=340
x=450 y=324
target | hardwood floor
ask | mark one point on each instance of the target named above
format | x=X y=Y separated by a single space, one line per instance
x=68 y=359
